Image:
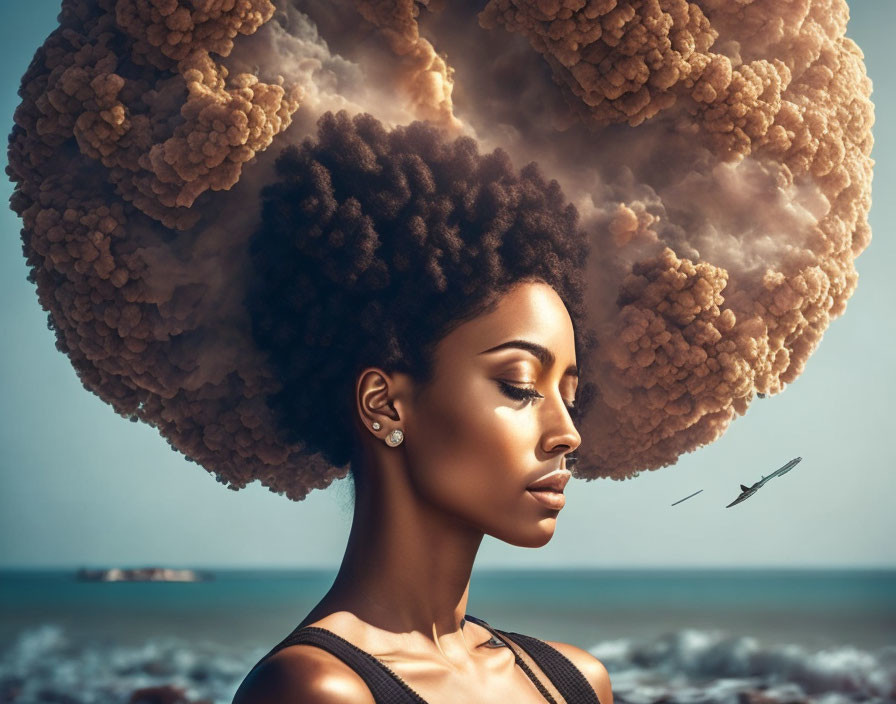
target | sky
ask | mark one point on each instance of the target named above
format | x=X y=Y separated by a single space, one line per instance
x=81 y=486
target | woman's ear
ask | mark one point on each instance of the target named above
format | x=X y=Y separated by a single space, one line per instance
x=378 y=397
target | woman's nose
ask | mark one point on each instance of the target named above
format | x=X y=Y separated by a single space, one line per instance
x=562 y=432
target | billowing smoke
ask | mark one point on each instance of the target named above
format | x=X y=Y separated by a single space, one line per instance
x=729 y=226
x=717 y=151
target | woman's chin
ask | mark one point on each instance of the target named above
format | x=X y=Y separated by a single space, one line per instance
x=537 y=536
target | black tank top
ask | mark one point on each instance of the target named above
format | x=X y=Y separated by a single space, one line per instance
x=388 y=688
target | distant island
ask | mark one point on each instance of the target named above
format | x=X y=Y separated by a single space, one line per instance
x=142 y=574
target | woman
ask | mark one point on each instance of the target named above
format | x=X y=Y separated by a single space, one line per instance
x=452 y=395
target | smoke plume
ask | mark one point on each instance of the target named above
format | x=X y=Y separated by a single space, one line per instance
x=718 y=153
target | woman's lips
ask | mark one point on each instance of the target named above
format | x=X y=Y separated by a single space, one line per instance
x=552 y=499
x=553 y=481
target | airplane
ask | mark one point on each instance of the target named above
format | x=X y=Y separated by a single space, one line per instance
x=747 y=491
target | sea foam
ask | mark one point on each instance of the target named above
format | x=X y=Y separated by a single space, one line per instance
x=46 y=663
x=705 y=666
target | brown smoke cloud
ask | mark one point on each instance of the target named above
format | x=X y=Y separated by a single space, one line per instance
x=718 y=152
x=423 y=76
x=721 y=153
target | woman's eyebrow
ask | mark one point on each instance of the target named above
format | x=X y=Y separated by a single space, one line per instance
x=543 y=354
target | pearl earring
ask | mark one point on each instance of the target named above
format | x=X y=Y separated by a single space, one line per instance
x=376 y=425
x=394 y=438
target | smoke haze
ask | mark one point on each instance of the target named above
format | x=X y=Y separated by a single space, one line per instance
x=717 y=152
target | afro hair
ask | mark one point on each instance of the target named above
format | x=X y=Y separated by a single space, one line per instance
x=374 y=244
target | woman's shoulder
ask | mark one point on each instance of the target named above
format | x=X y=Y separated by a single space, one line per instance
x=303 y=673
x=590 y=666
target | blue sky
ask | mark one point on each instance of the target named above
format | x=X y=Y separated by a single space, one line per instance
x=82 y=486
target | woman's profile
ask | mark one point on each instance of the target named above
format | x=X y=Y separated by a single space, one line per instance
x=400 y=308
x=442 y=366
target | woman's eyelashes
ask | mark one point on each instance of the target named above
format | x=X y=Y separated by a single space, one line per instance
x=523 y=393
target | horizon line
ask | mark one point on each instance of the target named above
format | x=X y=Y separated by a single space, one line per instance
x=500 y=568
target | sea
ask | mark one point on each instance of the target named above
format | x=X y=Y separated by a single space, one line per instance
x=665 y=636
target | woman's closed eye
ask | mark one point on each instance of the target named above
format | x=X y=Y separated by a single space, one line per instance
x=524 y=393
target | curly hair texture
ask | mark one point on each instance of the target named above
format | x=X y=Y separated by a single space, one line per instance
x=375 y=244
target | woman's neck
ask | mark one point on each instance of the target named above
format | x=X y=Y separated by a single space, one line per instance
x=407 y=566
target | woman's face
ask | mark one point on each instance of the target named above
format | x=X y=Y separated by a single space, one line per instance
x=494 y=419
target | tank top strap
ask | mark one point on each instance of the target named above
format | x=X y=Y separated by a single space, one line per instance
x=548 y=691
x=385 y=686
x=566 y=677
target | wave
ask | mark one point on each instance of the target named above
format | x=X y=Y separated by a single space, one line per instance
x=46 y=663
x=702 y=666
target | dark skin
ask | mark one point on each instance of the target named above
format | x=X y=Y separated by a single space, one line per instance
x=422 y=509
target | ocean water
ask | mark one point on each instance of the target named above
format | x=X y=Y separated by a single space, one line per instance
x=738 y=637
